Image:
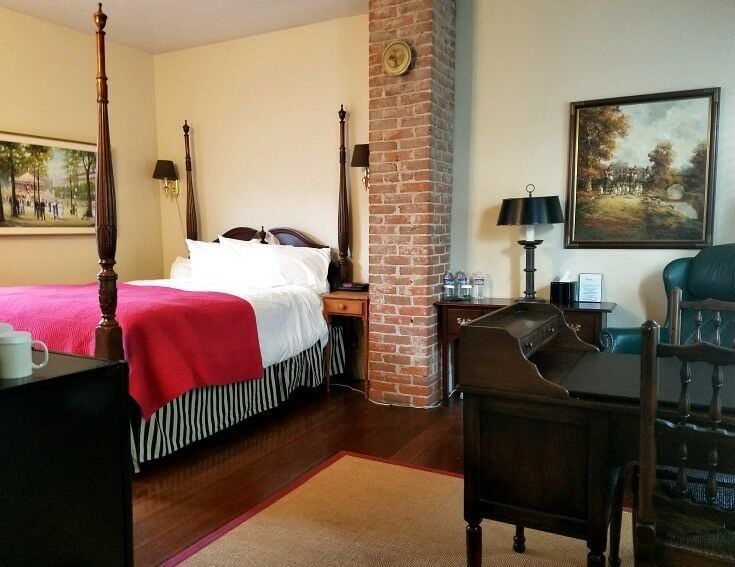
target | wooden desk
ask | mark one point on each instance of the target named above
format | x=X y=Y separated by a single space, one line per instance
x=352 y=304
x=65 y=479
x=548 y=421
x=586 y=319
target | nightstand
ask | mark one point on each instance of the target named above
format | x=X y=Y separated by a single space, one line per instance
x=352 y=304
x=65 y=480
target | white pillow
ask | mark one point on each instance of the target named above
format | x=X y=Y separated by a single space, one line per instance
x=304 y=266
x=284 y=265
x=210 y=261
x=181 y=269
x=240 y=262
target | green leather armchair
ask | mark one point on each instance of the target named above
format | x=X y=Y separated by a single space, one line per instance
x=711 y=273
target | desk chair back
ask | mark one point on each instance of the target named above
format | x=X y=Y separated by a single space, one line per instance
x=707 y=318
x=689 y=514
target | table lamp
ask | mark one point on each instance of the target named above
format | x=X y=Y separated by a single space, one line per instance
x=530 y=211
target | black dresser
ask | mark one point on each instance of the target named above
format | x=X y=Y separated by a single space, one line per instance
x=65 y=475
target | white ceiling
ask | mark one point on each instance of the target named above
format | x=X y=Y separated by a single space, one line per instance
x=159 y=26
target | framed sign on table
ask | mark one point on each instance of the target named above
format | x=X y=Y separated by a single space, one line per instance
x=47 y=186
x=642 y=171
x=590 y=288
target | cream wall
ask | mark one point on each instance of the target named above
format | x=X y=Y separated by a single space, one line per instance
x=265 y=131
x=519 y=65
x=47 y=88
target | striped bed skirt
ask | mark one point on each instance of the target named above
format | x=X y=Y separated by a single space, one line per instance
x=205 y=411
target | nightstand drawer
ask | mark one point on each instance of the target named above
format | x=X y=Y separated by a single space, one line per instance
x=346 y=306
x=586 y=325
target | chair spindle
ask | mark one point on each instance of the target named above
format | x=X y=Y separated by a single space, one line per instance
x=684 y=412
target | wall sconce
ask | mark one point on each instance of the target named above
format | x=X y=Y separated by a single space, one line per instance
x=361 y=158
x=166 y=172
x=530 y=211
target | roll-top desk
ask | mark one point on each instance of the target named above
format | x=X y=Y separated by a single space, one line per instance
x=532 y=456
x=587 y=319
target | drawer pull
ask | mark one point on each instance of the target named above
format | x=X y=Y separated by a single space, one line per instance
x=463 y=320
x=342 y=306
x=576 y=327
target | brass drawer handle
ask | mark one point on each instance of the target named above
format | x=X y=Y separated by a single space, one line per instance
x=576 y=327
x=463 y=320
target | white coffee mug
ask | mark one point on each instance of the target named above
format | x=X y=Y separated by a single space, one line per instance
x=15 y=354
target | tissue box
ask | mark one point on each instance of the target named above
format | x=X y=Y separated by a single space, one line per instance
x=563 y=293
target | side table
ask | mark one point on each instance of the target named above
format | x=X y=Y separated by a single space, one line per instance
x=352 y=304
x=586 y=319
x=65 y=480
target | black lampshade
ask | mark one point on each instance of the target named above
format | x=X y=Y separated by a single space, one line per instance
x=361 y=156
x=164 y=170
x=530 y=210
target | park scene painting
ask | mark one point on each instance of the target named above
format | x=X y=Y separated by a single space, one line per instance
x=642 y=171
x=46 y=186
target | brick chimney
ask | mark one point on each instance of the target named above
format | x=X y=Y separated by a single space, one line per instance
x=411 y=151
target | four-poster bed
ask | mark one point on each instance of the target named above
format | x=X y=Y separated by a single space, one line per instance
x=108 y=335
x=167 y=418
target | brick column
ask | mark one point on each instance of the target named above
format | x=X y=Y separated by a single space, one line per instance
x=411 y=150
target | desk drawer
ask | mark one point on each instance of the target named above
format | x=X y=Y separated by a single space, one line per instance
x=456 y=316
x=346 y=306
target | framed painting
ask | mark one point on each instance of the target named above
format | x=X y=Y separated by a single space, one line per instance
x=47 y=186
x=642 y=171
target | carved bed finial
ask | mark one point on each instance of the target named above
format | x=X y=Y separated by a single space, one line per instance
x=343 y=214
x=108 y=335
x=192 y=232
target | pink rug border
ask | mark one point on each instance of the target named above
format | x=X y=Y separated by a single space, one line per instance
x=219 y=532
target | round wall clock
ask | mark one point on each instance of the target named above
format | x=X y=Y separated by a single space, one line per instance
x=397 y=57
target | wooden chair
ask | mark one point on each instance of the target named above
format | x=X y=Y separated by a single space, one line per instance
x=683 y=504
x=706 y=328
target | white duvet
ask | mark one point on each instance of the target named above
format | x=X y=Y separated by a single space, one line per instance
x=289 y=318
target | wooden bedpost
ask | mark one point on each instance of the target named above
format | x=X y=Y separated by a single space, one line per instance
x=343 y=214
x=108 y=335
x=191 y=207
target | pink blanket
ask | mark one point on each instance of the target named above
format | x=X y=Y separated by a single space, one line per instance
x=174 y=340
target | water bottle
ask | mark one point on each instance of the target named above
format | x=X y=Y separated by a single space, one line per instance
x=478 y=285
x=463 y=286
x=449 y=294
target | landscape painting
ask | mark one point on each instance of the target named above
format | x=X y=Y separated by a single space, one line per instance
x=47 y=186
x=641 y=171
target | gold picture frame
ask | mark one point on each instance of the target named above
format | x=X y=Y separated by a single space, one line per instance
x=642 y=171
x=47 y=185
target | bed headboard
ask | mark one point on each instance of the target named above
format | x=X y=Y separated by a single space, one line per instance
x=245 y=233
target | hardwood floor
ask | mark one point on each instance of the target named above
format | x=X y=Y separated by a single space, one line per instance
x=179 y=500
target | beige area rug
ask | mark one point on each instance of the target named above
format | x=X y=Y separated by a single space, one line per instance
x=361 y=511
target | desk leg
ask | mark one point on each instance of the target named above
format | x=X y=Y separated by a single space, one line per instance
x=616 y=518
x=519 y=540
x=595 y=559
x=474 y=545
